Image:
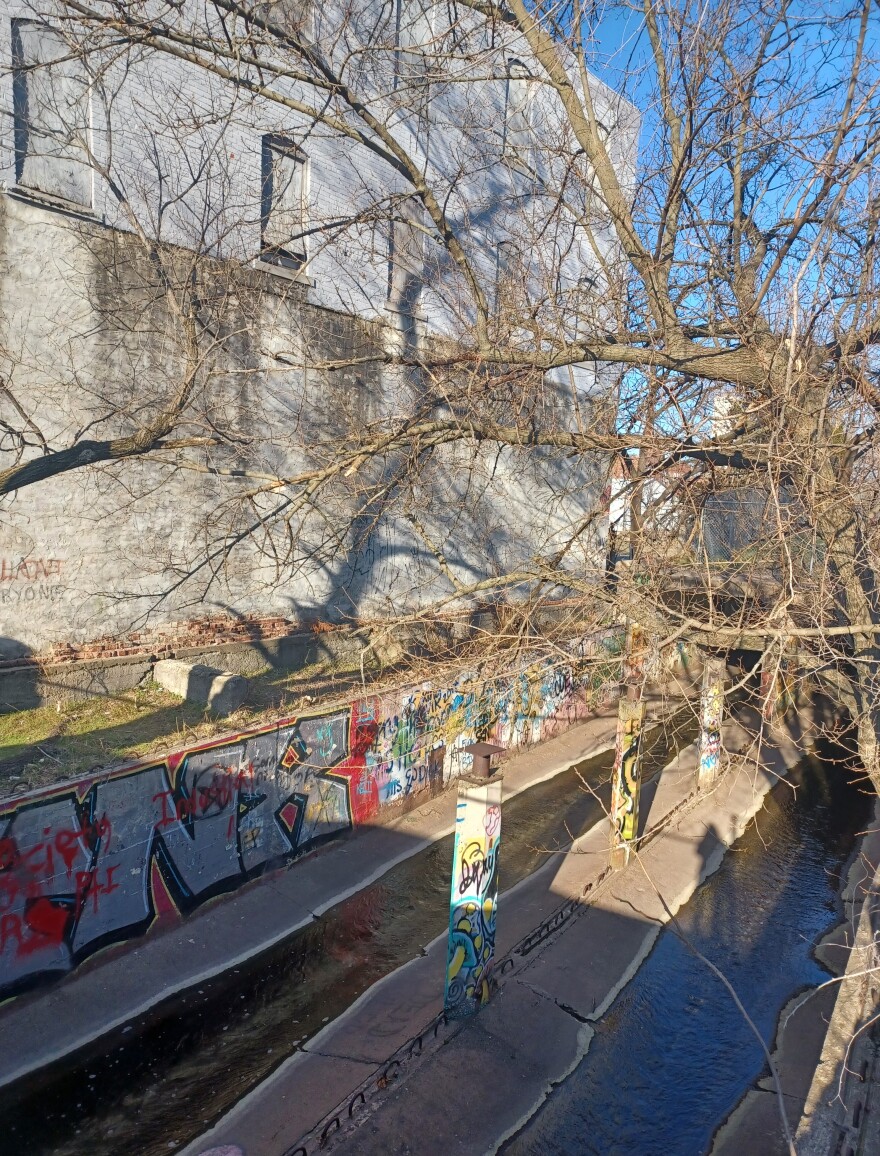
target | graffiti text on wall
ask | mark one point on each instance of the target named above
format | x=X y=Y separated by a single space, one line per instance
x=25 y=580
x=29 y=569
x=93 y=863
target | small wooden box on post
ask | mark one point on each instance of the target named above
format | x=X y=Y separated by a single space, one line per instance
x=627 y=777
x=474 y=889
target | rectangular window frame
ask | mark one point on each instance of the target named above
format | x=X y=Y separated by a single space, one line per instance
x=406 y=263
x=519 y=96
x=292 y=255
x=75 y=155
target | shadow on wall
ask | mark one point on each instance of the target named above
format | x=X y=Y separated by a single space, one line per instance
x=19 y=686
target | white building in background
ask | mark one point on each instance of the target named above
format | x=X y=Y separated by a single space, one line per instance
x=124 y=143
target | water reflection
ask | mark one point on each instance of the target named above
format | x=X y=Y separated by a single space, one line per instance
x=673 y=1056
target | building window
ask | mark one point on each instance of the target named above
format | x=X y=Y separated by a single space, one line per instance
x=415 y=63
x=518 y=136
x=50 y=103
x=283 y=210
x=415 y=39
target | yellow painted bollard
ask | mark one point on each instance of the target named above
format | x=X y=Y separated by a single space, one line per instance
x=627 y=782
x=627 y=776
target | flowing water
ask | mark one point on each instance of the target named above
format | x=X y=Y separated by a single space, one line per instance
x=178 y=1069
x=674 y=1056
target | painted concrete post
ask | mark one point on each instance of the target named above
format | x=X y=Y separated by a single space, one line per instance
x=627 y=778
x=711 y=714
x=789 y=678
x=474 y=891
x=772 y=683
x=780 y=676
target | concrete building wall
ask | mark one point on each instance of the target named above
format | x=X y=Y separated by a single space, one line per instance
x=176 y=151
x=90 y=342
x=91 y=553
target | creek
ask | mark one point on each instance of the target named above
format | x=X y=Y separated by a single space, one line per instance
x=674 y=1056
x=176 y=1070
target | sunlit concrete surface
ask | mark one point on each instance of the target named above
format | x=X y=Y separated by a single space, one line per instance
x=483 y=1078
x=114 y=987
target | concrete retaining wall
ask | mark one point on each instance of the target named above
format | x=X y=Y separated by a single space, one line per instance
x=32 y=683
x=840 y=1114
x=99 y=861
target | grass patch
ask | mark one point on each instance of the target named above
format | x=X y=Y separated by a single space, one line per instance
x=51 y=743
x=64 y=739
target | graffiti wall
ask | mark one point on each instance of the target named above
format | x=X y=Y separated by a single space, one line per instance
x=99 y=861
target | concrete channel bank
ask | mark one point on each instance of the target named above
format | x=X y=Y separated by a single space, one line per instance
x=390 y=1076
x=61 y=1024
x=840 y=1110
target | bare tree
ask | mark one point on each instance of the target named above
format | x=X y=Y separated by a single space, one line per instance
x=725 y=281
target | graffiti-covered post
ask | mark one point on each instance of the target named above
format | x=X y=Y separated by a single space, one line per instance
x=711 y=713
x=627 y=780
x=789 y=678
x=474 y=890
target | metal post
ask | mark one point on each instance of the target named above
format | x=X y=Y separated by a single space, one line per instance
x=627 y=779
x=711 y=714
x=474 y=890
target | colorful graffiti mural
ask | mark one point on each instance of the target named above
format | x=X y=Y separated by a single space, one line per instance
x=473 y=897
x=711 y=712
x=96 y=862
x=99 y=861
x=627 y=774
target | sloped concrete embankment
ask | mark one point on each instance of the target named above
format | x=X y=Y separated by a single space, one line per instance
x=825 y=1049
x=570 y=937
x=841 y=1108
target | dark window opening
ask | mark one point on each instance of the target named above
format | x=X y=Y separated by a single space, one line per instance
x=283 y=210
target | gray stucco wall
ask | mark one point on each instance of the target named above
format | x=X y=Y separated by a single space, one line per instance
x=89 y=342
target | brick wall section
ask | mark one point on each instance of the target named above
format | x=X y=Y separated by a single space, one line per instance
x=163 y=642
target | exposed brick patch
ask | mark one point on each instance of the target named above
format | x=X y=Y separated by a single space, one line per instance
x=163 y=641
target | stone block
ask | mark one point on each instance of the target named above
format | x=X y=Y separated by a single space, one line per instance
x=220 y=690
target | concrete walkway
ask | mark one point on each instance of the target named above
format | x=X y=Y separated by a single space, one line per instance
x=116 y=986
x=367 y=1083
